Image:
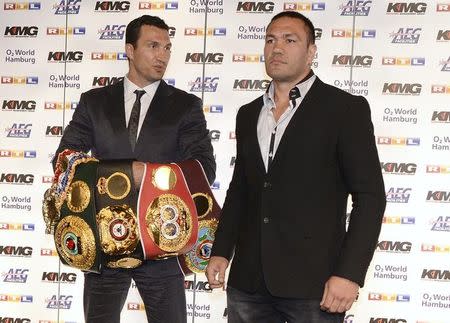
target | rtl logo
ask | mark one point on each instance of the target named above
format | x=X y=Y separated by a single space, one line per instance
x=304 y=6
x=386 y=320
x=394 y=246
x=16 y=298
x=48 y=252
x=112 y=32
x=435 y=248
x=404 y=8
x=440 y=89
x=12 y=178
x=389 y=297
x=248 y=58
x=109 y=56
x=17 y=153
x=22 y=6
x=406 y=36
x=20 y=80
x=192 y=31
x=404 y=61
x=349 y=60
x=199 y=58
x=69 y=57
x=55 y=277
x=135 y=306
x=355 y=8
x=21 y=31
x=398 y=168
x=54 y=131
x=16 y=105
x=402 y=89
x=399 y=220
x=349 y=33
x=60 y=105
x=67 y=7
x=443 y=7
x=55 y=31
x=436 y=274
x=16 y=251
x=250 y=85
x=398 y=141
x=168 y=5
x=213 y=108
x=112 y=6
x=438 y=169
x=438 y=196
x=105 y=80
x=255 y=7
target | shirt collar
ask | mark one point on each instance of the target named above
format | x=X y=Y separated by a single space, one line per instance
x=303 y=86
x=130 y=87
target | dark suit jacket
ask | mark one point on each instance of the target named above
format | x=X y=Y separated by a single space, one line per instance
x=289 y=225
x=174 y=128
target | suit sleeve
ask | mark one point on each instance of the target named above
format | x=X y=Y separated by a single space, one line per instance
x=234 y=206
x=195 y=143
x=360 y=166
x=78 y=134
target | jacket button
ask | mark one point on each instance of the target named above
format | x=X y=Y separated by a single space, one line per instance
x=267 y=185
x=266 y=220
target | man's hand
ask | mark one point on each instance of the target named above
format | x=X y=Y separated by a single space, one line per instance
x=215 y=271
x=339 y=295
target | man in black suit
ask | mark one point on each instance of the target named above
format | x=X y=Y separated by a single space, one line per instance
x=302 y=148
x=169 y=127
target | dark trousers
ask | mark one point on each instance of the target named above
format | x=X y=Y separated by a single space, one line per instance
x=246 y=307
x=160 y=284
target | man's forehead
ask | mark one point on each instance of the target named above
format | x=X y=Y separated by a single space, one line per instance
x=287 y=24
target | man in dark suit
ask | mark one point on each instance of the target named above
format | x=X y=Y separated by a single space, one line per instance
x=302 y=148
x=169 y=127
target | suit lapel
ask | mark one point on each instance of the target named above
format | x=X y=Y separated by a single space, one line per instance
x=116 y=115
x=298 y=118
x=254 y=149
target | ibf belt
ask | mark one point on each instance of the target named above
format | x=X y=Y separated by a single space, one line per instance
x=116 y=203
x=167 y=218
x=76 y=234
x=208 y=210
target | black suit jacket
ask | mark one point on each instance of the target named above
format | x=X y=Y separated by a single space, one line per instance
x=174 y=128
x=289 y=225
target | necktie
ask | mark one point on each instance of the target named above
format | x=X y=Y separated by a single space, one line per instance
x=133 y=124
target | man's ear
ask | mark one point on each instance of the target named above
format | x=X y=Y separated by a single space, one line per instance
x=129 y=49
x=312 y=49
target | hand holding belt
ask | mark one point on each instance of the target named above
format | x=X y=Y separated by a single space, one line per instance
x=168 y=221
x=208 y=210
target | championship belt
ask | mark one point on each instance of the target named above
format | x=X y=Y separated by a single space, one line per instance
x=75 y=232
x=208 y=210
x=168 y=221
x=116 y=202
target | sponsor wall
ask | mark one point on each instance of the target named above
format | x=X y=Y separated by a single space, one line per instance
x=396 y=54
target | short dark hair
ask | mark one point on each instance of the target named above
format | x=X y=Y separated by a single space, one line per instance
x=134 y=27
x=294 y=14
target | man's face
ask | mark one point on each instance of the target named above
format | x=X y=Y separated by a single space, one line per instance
x=287 y=54
x=149 y=58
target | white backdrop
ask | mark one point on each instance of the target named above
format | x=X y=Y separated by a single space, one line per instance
x=396 y=54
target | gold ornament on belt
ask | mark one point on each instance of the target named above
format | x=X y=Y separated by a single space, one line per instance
x=126 y=262
x=117 y=186
x=164 y=178
x=78 y=196
x=169 y=222
x=118 y=229
x=75 y=242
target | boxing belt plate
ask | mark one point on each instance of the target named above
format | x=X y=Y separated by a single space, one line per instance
x=167 y=215
x=116 y=203
x=75 y=233
x=208 y=211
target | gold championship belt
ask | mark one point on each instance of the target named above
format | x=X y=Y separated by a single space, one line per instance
x=69 y=211
x=116 y=200
x=208 y=210
x=167 y=215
